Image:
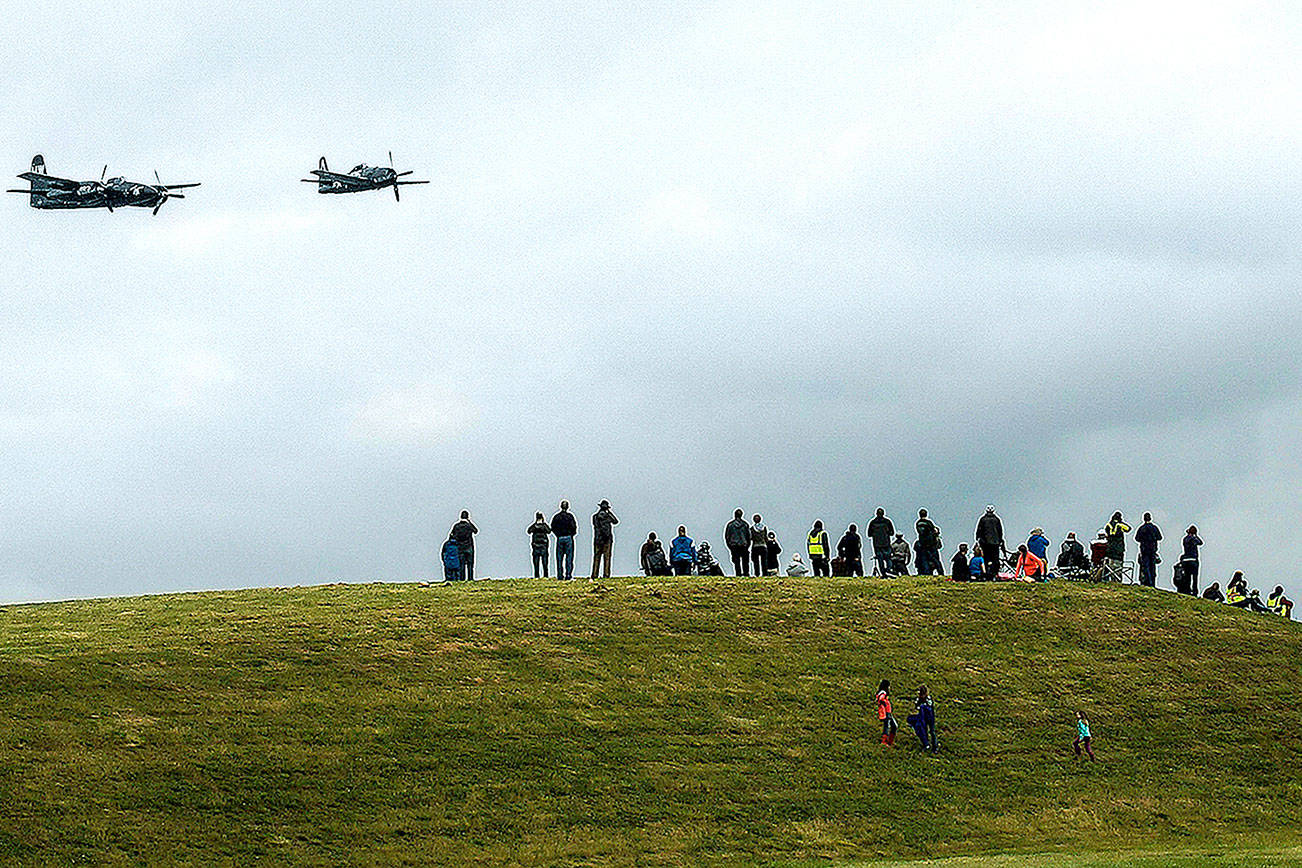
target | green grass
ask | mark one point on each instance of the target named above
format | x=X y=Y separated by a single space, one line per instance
x=665 y=722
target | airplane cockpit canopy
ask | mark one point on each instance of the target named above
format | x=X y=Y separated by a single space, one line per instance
x=358 y=168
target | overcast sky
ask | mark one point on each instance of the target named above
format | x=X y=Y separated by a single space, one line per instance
x=805 y=258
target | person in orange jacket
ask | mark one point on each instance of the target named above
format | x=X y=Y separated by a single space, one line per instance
x=1028 y=565
x=889 y=726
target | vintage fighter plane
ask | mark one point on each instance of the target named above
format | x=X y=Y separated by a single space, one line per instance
x=360 y=178
x=49 y=191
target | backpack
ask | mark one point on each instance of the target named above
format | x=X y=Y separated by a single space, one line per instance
x=655 y=559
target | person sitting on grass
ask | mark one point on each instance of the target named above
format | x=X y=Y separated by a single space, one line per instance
x=654 y=562
x=797 y=566
x=1083 y=736
x=1028 y=565
x=706 y=565
x=1280 y=604
x=1214 y=593
x=924 y=721
x=962 y=572
x=977 y=567
x=889 y=726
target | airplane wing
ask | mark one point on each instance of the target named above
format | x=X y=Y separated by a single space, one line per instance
x=351 y=180
x=180 y=186
x=38 y=180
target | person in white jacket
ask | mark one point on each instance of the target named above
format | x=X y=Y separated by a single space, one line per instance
x=797 y=566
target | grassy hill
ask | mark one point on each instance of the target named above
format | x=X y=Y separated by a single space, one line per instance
x=674 y=721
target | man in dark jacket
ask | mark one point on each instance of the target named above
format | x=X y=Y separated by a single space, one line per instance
x=736 y=536
x=927 y=546
x=603 y=538
x=990 y=539
x=1148 y=536
x=850 y=550
x=464 y=533
x=880 y=531
x=960 y=564
x=565 y=527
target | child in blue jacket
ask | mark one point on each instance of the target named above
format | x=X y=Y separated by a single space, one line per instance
x=451 y=560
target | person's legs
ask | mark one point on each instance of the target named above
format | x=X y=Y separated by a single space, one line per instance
x=856 y=567
x=1075 y=746
x=1089 y=750
x=757 y=561
x=992 y=556
x=1148 y=570
x=468 y=564
x=606 y=554
x=682 y=568
x=1192 y=572
x=740 y=560
x=820 y=565
x=539 y=561
x=883 y=559
x=565 y=557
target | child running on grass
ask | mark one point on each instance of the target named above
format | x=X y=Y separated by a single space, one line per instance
x=889 y=727
x=1082 y=735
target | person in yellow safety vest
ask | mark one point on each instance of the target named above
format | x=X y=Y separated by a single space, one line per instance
x=1236 y=592
x=818 y=548
x=1280 y=604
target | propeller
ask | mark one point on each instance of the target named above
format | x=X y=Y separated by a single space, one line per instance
x=163 y=193
x=103 y=188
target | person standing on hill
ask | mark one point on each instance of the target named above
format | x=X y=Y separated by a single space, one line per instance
x=772 y=553
x=927 y=546
x=1148 y=536
x=1083 y=736
x=1189 y=561
x=889 y=726
x=566 y=527
x=540 y=535
x=880 y=530
x=924 y=722
x=990 y=541
x=736 y=536
x=603 y=538
x=900 y=555
x=850 y=550
x=759 y=544
x=464 y=533
x=818 y=546
x=451 y=556
x=1116 y=531
x=682 y=553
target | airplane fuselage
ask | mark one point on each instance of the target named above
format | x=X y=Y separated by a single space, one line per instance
x=371 y=178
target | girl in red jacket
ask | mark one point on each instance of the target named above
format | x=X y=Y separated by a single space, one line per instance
x=889 y=726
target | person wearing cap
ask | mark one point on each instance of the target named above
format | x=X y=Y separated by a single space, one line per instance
x=900 y=555
x=1038 y=544
x=603 y=538
x=990 y=540
x=1071 y=556
x=1148 y=536
x=565 y=527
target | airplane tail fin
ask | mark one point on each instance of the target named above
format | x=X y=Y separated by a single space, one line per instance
x=38 y=164
x=322 y=165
